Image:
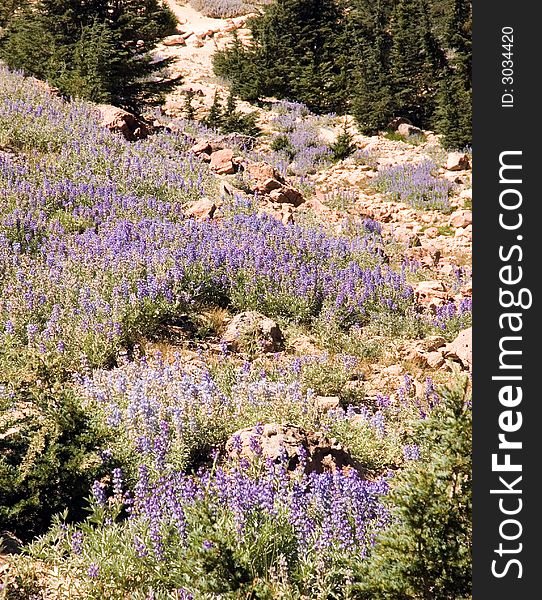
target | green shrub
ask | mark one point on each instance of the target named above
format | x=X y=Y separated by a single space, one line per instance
x=426 y=551
x=48 y=457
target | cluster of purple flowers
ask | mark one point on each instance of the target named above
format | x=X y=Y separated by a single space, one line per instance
x=415 y=184
x=460 y=313
x=323 y=511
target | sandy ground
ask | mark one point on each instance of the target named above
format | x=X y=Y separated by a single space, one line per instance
x=193 y=60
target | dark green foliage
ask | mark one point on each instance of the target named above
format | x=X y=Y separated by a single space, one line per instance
x=281 y=143
x=372 y=101
x=454 y=113
x=295 y=53
x=189 y=111
x=426 y=551
x=227 y=119
x=214 y=116
x=344 y=145
x=416 y=61
x=8 y=8
x=95 y=50
x=48 y=458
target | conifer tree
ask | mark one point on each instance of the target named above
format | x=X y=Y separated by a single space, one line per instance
x=189 y=110
x=213 y=119
x=90 y=48
x=454 y=112
x=416 y=61
x=344 y=145
x=295 y=53
x=425 y=553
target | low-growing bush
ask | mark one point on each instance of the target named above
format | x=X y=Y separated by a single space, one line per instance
x=49 y=456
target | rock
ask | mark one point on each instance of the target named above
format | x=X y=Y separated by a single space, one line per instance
x=268 y=186
x=457 y=161
x=261 y=172
x=418 y=351
x=435 y=360
x=431 y=232
x=225 y=189
x=305 y=345
x=286 y=195
x=396 y=121
x=407 y=130
x=10 y=543
x=121 y=121
x=174 y=40
x=222 y=162
x=432 y=293
x=326 y=403
x=252 y=328
x=460 y=218
x=202 y=209
x=284 y=443
x=461 y=349
x=427 y=257
x=202 y=146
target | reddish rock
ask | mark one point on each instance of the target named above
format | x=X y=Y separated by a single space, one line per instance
x=460 y=218
x=252 y=327
x=460 y=350
x=268 y=186
x=202 y=209
x=261 y=172
x=121 y=121
x=457 y=162
x=202 y=146
x=285 y=443
x=222 y=162
x=174 y=40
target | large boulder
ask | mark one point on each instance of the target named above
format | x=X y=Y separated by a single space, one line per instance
x=406 y=130
x=253 y=331
x=460 y=218
x=121 y=121
x=260 y=172
x=202 y=209
x=292 y=446
x=222 y=162
x=396 y=121
x=457 y=161
x=460 y=350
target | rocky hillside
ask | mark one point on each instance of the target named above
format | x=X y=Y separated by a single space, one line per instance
x=246 y=354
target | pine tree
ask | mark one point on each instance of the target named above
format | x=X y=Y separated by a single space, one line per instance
x=344 y=145
x=416 y=61
x=90 y=49
x=213 y=119
x=454 y=112
x=459 y=39
x=425 y=553
x=8 y=10
x=295 y=53
x=372 y=102
x=189 y=111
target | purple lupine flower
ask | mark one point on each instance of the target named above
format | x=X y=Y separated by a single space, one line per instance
x=77 y=542
x=411 y=452
x=99 y=493
x=93 y=570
